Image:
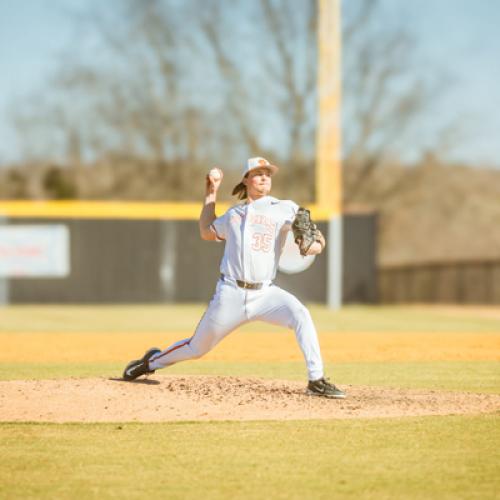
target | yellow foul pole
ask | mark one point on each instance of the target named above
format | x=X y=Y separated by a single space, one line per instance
x=328 y=144
x=328 y=135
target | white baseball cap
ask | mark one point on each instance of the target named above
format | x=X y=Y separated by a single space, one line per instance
x=258 y=162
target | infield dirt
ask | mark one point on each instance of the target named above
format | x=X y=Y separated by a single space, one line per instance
x=175 y=398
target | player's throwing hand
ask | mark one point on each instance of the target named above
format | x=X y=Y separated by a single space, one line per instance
x=213 y=180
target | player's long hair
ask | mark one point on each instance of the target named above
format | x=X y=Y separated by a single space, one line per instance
x=240 y=190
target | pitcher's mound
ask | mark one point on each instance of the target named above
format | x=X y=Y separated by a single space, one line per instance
x=169 y=398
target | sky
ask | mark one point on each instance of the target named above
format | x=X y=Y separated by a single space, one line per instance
x=460 y=37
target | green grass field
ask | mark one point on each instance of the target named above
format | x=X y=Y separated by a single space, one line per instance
x=421 y=458
x=452 y=457
x=183 y=318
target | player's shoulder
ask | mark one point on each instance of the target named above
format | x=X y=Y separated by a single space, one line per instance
x=237 y=209
x=288 y=205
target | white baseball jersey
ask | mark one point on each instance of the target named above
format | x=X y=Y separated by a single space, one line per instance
x=255 y=234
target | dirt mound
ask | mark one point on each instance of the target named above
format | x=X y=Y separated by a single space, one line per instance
x=173 y=398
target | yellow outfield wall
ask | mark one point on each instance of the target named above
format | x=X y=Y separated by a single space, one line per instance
x=121 y=210
x=252 y=347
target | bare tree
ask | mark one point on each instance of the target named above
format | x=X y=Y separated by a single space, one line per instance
x=193 y=81
x=294 y=69
x=385 y=94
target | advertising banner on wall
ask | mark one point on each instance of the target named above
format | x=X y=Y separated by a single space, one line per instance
x=29 y=251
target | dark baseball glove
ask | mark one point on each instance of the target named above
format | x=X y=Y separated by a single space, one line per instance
x=305 y=232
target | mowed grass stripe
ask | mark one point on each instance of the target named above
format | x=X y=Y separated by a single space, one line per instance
x=277 y=346
x=470 y=376
x=185 y=317
x=412 y=458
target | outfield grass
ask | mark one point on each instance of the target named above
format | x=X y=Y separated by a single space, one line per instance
x=471 y=376
x=184 y=318
x=412 y=458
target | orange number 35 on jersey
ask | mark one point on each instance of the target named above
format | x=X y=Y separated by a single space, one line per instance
x=261 y=242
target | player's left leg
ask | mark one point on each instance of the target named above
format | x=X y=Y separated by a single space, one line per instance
x=277 y=306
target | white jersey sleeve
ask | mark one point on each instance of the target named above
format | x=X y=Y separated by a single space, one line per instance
x=219 y=225
x=290 y=211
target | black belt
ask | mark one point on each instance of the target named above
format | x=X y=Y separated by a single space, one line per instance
x=245 y=284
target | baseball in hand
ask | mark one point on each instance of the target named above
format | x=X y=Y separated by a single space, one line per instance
x=215 y=174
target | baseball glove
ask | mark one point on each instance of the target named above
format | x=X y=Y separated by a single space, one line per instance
x=305 y=232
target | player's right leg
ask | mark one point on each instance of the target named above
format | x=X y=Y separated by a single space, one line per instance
x=224 y=314
x=207 y=335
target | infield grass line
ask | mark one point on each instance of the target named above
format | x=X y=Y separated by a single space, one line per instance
x=462 y=376
x=184 y=318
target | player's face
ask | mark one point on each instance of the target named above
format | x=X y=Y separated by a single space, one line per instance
x=258 y=182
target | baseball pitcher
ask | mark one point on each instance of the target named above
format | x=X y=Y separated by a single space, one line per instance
x=254 y=232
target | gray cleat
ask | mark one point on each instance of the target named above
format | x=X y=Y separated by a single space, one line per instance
x=323 y=388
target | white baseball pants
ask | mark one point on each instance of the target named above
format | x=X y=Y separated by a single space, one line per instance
x=231 y=307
